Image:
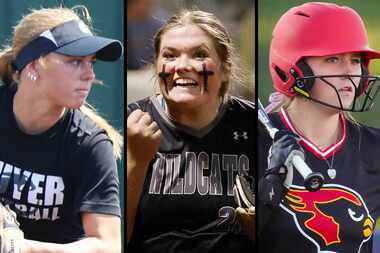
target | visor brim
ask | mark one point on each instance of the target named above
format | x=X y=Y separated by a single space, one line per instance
x=105 y=49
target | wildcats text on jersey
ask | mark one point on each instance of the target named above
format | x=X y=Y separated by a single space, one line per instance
x=202 y=173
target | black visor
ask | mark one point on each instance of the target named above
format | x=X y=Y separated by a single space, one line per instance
x=71 y=38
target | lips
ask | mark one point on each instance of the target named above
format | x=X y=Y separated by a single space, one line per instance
x=82 y=92
x=184 y=82
x=346 y=88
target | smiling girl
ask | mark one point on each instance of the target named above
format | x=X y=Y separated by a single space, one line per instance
x=186 y=145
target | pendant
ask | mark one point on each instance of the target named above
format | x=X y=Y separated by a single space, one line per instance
x=331 y=173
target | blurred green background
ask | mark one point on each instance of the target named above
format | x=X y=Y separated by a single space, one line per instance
x=269 y=11
x=108 y=21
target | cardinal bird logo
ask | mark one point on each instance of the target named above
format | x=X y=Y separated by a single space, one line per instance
x=330 y=217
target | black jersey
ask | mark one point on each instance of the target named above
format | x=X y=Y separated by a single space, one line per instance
x=341 y=216
x=49 y=179
x=191 y=180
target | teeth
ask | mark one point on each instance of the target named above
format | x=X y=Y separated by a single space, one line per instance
x=185 y=82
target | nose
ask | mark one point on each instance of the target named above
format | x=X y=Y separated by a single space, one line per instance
x=350 y=67
x=183 y=64
x=88 y=71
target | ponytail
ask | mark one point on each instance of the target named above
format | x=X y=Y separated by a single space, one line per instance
x=29 y=28
x=113 y=134
x=6 y=70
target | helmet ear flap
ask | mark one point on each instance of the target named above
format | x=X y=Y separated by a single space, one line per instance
x=363 y=84
x=303 y=85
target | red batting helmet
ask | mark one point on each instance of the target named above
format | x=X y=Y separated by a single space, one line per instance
x=315 y=29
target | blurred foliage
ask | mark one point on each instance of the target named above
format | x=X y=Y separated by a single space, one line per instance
x=270 y=11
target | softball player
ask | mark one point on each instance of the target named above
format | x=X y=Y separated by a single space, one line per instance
x=57 y=156
x=186 y=145
x=319 y=60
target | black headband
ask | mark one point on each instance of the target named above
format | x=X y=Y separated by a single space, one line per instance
x=71 y=38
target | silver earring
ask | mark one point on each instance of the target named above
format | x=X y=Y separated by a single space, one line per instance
x=31 y=76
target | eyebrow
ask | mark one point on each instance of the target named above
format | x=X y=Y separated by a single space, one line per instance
x=203 y=45
x=72 y=57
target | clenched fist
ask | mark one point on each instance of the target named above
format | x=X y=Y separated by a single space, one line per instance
x=143 y=138
x=143 y=141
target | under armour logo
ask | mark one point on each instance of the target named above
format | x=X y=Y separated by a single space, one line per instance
x=238 y=135
x=271 y=194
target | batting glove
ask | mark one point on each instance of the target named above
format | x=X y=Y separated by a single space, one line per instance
x=279 y=175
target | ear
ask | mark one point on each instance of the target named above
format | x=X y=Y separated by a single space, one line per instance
x=31 y=70
x=32 y=67
x=226 y=71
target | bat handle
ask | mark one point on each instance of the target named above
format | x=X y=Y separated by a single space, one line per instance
x=272 y=131
x=313 y=181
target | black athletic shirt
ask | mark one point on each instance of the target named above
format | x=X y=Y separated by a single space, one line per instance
x=191 y=180
x=49 y=179
x=338 y=218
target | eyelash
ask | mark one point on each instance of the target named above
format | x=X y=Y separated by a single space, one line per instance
x=201 y=54
x=198 y=55
x=168 y=55
x=354 y=60
x=77 y=63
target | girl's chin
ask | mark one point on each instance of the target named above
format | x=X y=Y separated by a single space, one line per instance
x=76 y=104
x=184 y=95
x=183 y=99
x=185 y=90
x=346 y=101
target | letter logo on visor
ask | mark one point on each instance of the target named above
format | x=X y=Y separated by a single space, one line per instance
x=72 y=38
x=84 y=28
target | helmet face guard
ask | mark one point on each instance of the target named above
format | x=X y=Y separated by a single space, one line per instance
x=363 y=98
x=317 y=30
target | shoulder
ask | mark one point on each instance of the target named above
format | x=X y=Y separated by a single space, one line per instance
x=365 y=131
x=366 y=136
x=85 y=131
x=3 y=88
x=240 y=105
x=363 y=143
x=237 y=115
x=85 y=142
x=237 y=111
x=7 y=90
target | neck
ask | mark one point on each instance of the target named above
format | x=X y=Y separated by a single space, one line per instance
x=315 y=122
x=194 y=117
x=34 y=114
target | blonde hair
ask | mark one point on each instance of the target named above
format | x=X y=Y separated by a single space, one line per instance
x=210 y=24
x=29 y=28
